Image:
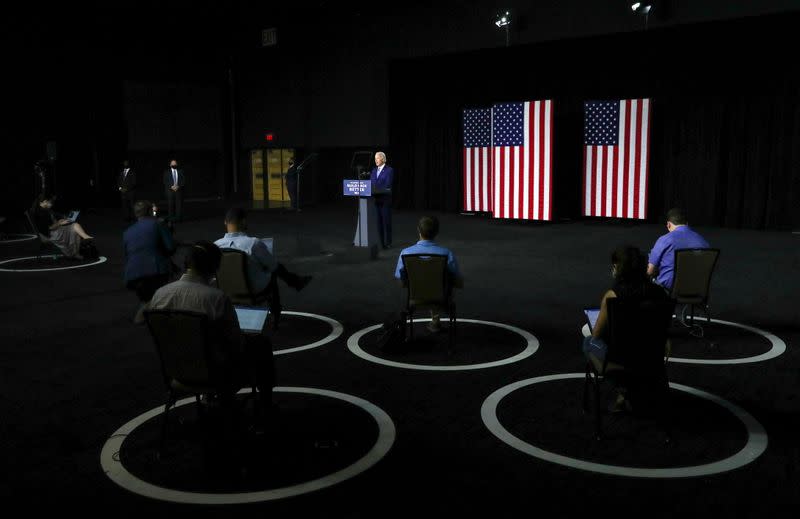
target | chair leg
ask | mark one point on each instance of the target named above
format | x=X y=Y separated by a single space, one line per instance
x=598 y=411
x=170 y=401
x=586 y=382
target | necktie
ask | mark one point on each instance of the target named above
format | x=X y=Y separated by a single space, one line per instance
x=174 y=177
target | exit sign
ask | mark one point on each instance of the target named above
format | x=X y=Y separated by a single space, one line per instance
x=269 y=37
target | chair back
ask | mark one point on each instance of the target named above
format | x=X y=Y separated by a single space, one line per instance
x=693 y=270
x=637 y=334
x=426 y=275
x=32 y=223
x=182 y=342
x=232 y=276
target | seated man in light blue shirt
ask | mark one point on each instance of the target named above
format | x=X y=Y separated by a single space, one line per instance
x=428 y=228
x=661 y=262
x=262 y=266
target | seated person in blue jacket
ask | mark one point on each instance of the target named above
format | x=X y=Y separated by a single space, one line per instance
x=661 y=264
x=631 y=283
x=63 y=233
x=148 y=246
x=428 y=229
x=263 y=268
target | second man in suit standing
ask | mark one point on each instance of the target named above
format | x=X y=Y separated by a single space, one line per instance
x=382 y=177
x=126 y=184
x=174 y=181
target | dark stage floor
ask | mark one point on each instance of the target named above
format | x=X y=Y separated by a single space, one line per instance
x=75 y=370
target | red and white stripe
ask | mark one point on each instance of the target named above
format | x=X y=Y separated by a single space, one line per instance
x=523 y=174
x=477 y=179
x=615 y=177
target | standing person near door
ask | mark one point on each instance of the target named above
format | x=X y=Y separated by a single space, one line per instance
x=174 y=180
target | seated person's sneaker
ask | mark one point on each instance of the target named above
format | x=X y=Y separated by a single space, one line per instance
x=302 y=282
x=434 y=326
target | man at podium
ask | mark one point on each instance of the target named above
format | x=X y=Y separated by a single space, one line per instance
x=382 y=177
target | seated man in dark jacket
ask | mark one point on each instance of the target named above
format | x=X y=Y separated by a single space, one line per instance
x=148 y=247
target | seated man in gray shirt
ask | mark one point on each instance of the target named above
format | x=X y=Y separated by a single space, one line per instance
x=263 y=268
x=245 y=357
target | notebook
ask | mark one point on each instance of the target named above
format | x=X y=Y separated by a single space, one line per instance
x=591 y=316
x=251 y=318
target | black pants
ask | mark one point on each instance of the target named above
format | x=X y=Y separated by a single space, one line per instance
x=291 y=187
x=174 y=204
x=147 y=286
x=128 y=199
x=383 y=208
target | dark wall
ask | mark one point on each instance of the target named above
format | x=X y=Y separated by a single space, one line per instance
x=725 y=120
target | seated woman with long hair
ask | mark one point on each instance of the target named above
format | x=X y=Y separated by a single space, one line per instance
x=64 y=234
x=629 y=271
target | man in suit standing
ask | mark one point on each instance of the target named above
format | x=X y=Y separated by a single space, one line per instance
x=382 y=177
x=126 y=184
x=174 y=181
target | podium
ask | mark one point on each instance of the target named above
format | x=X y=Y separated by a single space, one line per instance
x=366 y=235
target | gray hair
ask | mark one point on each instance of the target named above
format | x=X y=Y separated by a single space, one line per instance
x=382 y=154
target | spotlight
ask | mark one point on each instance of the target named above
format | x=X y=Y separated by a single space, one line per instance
x=503 y=19
x=641 y=8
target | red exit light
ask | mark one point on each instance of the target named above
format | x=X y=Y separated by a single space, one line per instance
x=269 y=137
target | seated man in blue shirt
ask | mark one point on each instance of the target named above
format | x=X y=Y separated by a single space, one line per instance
x=661 y=263
x=263 y=268
x=428 y=228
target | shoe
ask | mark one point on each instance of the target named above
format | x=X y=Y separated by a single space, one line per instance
x=434 y=327
x=139 y=317
x=620 y=405
x=302 y=282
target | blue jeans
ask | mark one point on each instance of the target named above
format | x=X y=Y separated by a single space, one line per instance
x=594 y=346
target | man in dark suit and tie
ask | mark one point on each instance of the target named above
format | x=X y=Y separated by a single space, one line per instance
x=126 y=184
x=174 y=181
x=382 y=177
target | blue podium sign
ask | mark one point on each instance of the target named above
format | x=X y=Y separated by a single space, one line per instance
x=357 y=187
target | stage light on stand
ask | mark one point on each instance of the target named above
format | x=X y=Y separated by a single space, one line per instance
x=502 y=21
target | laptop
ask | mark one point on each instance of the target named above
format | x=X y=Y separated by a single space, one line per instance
x=591 y=316
x=73 y=216
x=269 y=242
x=251 y=318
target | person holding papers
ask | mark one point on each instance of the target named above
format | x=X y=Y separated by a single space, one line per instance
x=65 y=234
x=263 y=268
x=629 y=271
x=245 y=358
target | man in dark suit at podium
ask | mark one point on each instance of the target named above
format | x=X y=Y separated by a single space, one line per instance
x=382 y=177
x=174 y=181
x=126 y=184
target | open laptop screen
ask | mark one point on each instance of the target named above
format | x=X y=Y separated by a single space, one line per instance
x=251 y=319
x=591 y=316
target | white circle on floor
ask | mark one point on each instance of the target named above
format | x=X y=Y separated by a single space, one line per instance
x=755 y=446
x=531 y=347
x=114 y=469
x=777 y=349
x=336 y=330
x=24 y=237
x=101 y=259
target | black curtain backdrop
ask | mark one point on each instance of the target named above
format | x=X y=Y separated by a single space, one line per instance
x=725 y=130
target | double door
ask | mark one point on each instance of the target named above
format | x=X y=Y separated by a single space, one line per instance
x=268 y=168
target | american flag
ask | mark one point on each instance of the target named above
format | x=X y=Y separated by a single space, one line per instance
x=615 y=158
x=477 y=159
x=522 y=165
